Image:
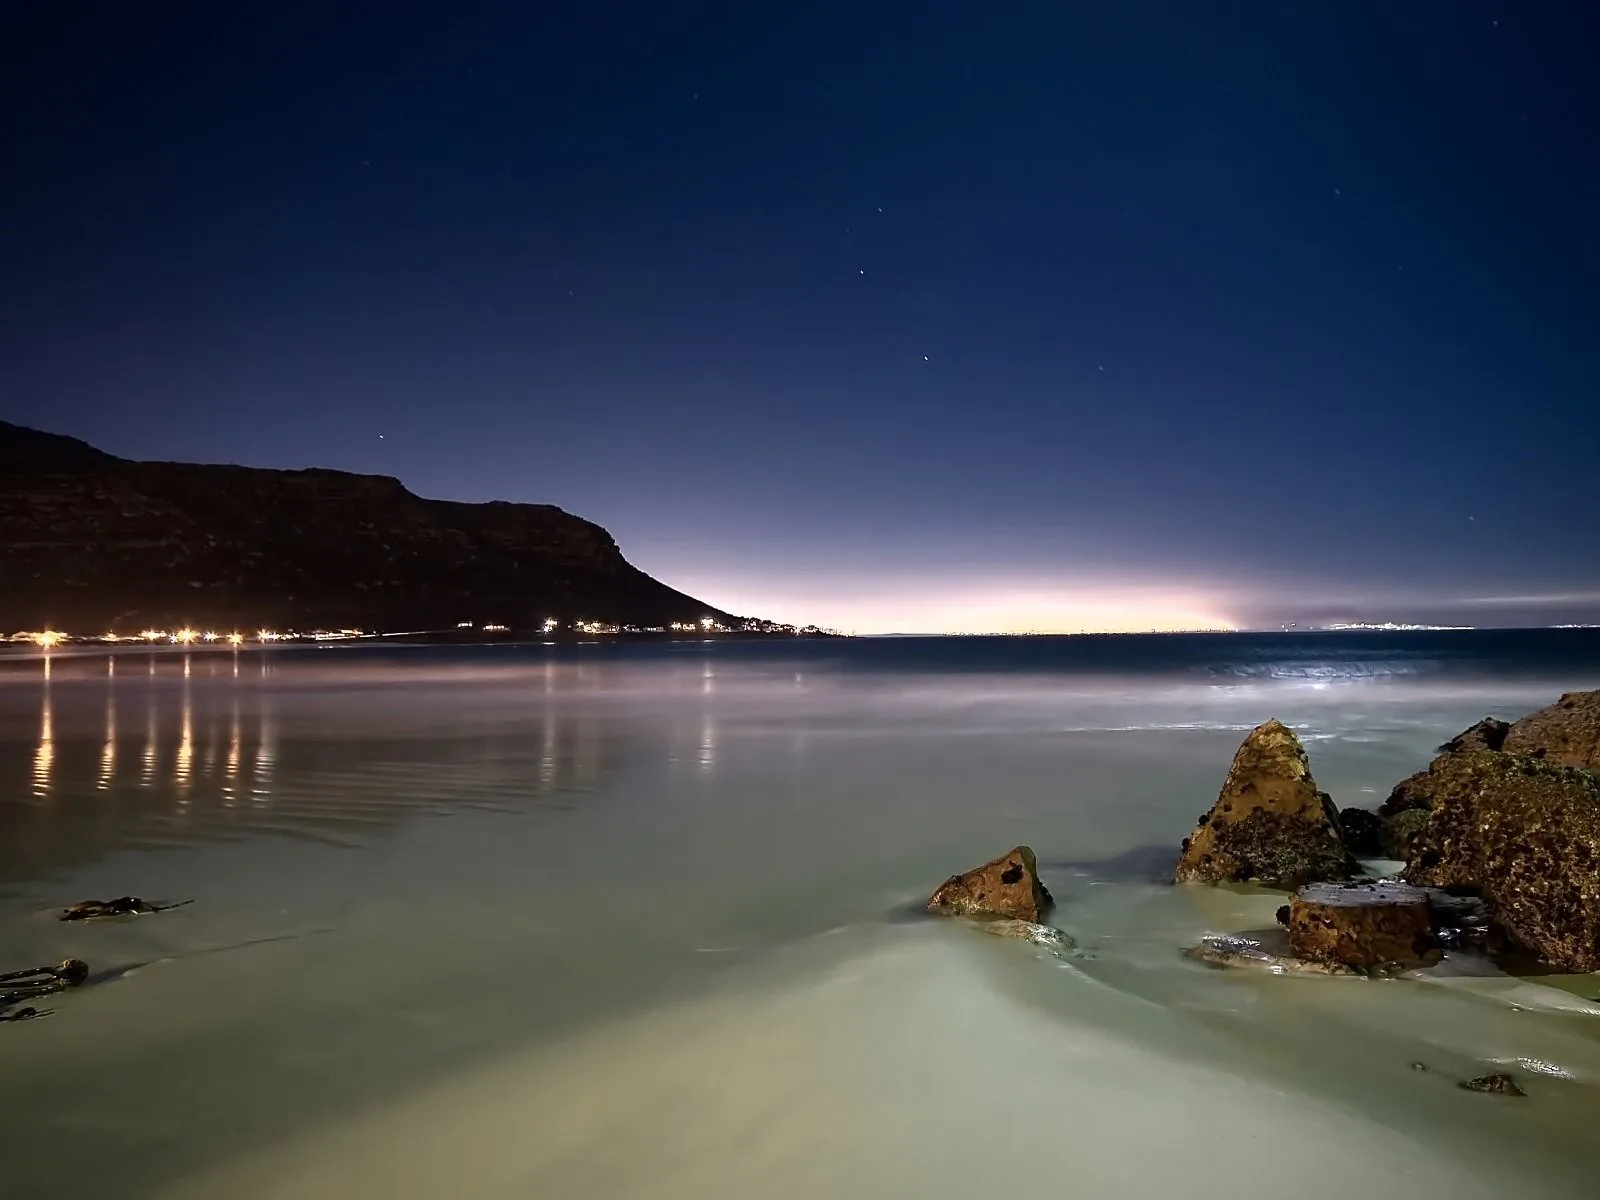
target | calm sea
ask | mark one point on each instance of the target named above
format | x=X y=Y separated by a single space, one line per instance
x=640 y=921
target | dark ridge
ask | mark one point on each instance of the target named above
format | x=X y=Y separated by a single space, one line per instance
x=91 y=543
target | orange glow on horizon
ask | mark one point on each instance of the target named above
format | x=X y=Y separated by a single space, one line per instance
x=928 y=607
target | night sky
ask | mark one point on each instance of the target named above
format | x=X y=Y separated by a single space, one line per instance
x=890 y=316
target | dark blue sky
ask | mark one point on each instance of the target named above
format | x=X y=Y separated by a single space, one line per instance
x=907 y=316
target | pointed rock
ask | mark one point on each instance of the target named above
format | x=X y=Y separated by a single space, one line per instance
x=1006 y=887
x=1270 y=824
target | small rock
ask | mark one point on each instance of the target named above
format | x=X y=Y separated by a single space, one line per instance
x=1362 y=925
x=1497 y=1084
x=1007 y=886
x=1270 y=824
x=1419 y=1066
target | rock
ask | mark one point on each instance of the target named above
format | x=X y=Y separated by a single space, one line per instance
x=1487 y=734
x=1524 y=834
x=1006 y=887
x=1463 y=921
x=1362 y=832
x=1413 y=793
x=1567 y=732
x=1397 y=833
x=1362 y=925
x=122 y=906
x=1270 y=824
x=1057 y=941
x=1263 y=951
x=1497 y=1084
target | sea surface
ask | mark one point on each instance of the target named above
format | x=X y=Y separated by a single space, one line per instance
x=628 y=920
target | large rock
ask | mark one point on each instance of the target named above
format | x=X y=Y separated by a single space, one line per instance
x=1523 y=833
x=1414 y=791
x=1007 y=886
x=1270 y=824
x=1567 y=732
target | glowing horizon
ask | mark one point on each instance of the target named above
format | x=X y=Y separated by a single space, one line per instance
x=931 y=608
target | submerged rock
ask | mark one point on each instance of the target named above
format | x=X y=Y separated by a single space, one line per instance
x=1523 y=833
x=1263 y=951
x=1498 y=1084
x=1363 y=925
x=1007 y=886
x=1566 y=732
x=1270 y=824
x=1362 y=830
x=1057 y=941
x=122 y=906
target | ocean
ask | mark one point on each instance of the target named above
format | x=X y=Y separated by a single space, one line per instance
x=643 y=920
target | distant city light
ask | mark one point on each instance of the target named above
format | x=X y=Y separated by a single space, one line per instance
x=185 y=637
x=47 y=639
x=267 y=635
x=209 y=636
x=154 y=635
x=236 y=639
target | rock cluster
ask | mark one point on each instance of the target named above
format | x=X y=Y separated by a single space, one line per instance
x=1506 y=813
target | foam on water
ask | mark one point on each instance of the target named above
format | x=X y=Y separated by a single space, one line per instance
x=877 y=1067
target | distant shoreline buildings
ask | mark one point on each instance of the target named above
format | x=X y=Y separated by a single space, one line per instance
x=464 y=631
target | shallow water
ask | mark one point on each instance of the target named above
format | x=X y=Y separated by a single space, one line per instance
x=519 y=922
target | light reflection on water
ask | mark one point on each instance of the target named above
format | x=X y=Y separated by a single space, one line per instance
x=546 y=844
x=194 y=747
